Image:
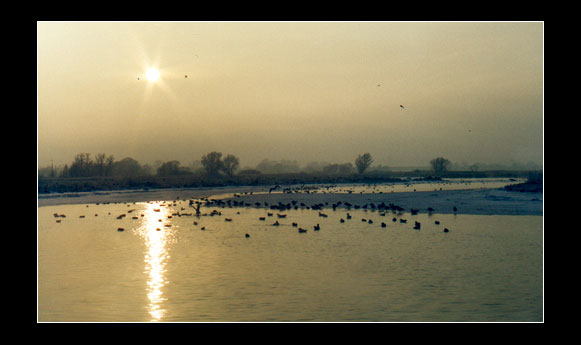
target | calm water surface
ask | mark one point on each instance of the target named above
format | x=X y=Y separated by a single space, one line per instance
x=486 y=268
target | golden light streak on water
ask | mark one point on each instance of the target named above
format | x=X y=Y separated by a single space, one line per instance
x=156 y=236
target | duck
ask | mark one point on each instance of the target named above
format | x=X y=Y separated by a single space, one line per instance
x=301 y=230
x=317 y=227
x=383 y=225
x=276 y=223
x=417 y=226
x=446 y=230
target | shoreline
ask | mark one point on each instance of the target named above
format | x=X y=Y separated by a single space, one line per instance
x=138 y=195
x=474 y=201
x=483 y=201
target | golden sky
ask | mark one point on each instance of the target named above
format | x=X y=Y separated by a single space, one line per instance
x=305 y=91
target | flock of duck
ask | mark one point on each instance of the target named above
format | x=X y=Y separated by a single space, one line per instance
x=382 y=210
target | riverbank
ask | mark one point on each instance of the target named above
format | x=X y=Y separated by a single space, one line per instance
x=483 y=201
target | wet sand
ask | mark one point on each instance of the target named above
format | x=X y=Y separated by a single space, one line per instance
x=471 y=201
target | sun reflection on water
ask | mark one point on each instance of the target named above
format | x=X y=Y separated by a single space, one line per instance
x=156 y=236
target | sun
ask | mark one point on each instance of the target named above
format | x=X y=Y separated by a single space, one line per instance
x=152 y=74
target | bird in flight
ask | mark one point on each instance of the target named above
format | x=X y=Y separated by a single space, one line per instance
x=401 y=106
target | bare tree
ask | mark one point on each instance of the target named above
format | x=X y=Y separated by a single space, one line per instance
x=100 y=164
x=230 y=164
x=362 y=162
x=440 y=164
x=109 y=165
x=81 y=166
x=212 y=163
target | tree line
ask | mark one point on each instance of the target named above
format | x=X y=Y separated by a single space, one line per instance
x=213 y=164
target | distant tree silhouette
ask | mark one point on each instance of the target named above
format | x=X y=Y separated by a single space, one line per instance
x=109 y=165
x=127 y=167
x=52 y=170
x=339 y=169
x=65 y=172
x=440 y=164
x=230 y=164
x=362 y=162
x=212 y=163
x=147 y=169
x=267 y=166
x=169 y=168
x=82 y=166
x=99 y=167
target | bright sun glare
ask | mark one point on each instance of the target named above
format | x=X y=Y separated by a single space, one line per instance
x=152 y=74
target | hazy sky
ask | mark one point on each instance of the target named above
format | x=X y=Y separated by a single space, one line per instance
x=306 y=91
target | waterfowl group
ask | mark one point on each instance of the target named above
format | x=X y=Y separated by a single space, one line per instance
x=382 y=210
